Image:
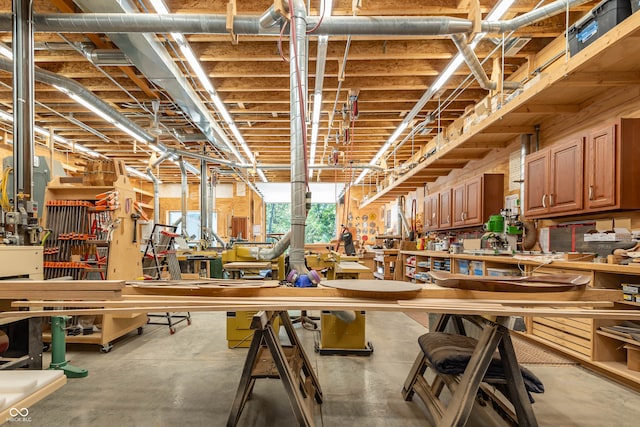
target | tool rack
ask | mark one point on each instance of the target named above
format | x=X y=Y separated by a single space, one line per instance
x=91 y=238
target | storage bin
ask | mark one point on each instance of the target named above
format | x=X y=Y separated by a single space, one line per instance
x=477 y=268
x=635 y=5
x=502 y=272
x=463 y=266
x=598 y=21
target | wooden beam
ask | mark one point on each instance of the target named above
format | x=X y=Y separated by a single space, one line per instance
x=589 y=79
x=547 y=109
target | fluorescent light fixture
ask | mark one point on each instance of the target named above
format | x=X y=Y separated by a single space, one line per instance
x=156 y=148
x=361 y=176
x=188 y=166
x=495 y=14
x=447 y=73
x=6 y=51
x=222 y=109
x=130 y=132
x=159 y=6
x=6 y=116
x=86 y=150
x=42 y=131
x=262 y=176
x=89 y=106
x=137 y=173
x=317 y=107
x=327 y=6
x=500 y=9
x=46 y=133
x=196 y=67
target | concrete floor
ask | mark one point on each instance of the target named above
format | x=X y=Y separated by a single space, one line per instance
x=190 y=378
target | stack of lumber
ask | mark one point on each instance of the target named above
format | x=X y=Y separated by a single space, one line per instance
x=63 y=289
x=103 y=297
x=146 y=303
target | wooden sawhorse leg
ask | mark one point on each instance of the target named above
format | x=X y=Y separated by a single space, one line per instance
x=294 y=384
x=494 y=336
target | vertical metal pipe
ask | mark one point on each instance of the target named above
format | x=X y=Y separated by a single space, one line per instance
x=298 y=87
x=212 y=201
x=204 y=213
x=185 y=191
x=156 y=196
x=525 y=142
x=23 y=103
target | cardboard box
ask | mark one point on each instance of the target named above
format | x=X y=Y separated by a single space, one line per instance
x=633 y=357
x=607 y=237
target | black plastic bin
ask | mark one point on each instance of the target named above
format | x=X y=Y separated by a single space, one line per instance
x=598 y=21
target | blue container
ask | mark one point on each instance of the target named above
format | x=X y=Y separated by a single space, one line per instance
x=597 y=22
x=463 y=266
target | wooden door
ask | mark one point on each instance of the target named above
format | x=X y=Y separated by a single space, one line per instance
x=567 y=170
x=445 y=209
x=536 y=183
x=432 y=212
x=458 y=204
x=473 y=202
x=240 y=227
x=600 y=168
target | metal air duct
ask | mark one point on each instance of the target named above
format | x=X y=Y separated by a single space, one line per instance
x=156 y=196
x=111 y=21
x=73 y=87
x=183 y=199
x=298 y=91
x=530 y=17
x=475 y=66
x=153 y=60
x=23 y=103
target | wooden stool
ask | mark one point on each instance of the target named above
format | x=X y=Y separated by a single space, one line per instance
x=465 y=378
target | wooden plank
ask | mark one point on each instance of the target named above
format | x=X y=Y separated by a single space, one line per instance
x=257 y=265
x=559 y=325
x=60 y=285
x=585 y=342
x=465 y=307
x=69 y=295
x=563 y=343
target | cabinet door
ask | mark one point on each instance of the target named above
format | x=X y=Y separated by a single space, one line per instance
x=600 y=168
x=458 y=204
x=445 y=209
x=473 y=202
x=536 y=183
x=566 y=185
x=432 y=212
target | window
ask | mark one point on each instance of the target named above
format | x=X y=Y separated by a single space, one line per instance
x=193 y=223
x=320 y=225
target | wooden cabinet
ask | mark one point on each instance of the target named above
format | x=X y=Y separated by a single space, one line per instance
x=385 y=263
x=585 y=174
x=432 y=212
x=554 y=179
x=611 y=166
x=444 y=198
x=477 y=198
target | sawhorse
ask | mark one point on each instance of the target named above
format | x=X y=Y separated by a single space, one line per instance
x=267 y=358
x=495 y=335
